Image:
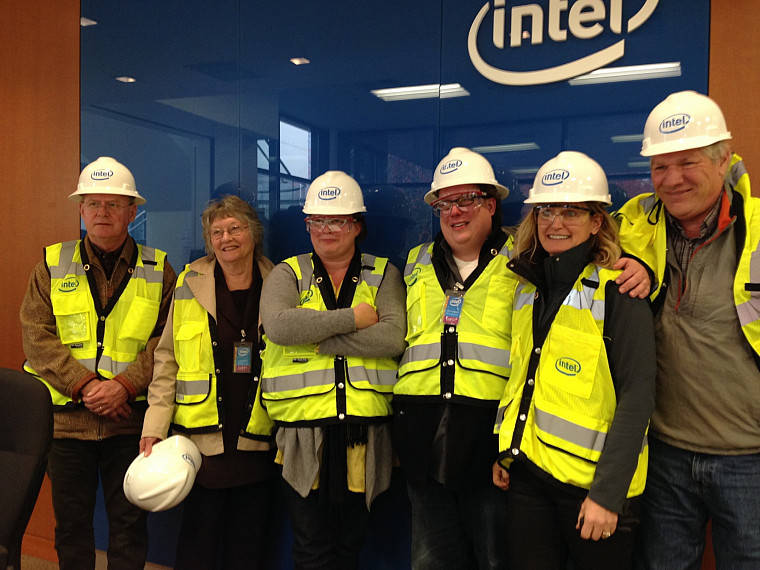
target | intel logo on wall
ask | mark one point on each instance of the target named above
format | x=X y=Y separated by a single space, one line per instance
x=518 y=25
x=329 y=193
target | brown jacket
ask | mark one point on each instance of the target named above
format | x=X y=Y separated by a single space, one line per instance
x=54 y=362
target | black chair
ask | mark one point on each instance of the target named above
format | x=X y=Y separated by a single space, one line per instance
x=26 y=432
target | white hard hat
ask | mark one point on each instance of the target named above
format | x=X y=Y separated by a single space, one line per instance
x=463 y=166
x=164 y=478
x=106 y=176
x=334 y=192
x=683 y=121
x=569 y=177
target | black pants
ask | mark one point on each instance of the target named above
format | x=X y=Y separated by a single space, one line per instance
x=73 y=467
x=227 y=528
x=541 y=520
x=326 y=537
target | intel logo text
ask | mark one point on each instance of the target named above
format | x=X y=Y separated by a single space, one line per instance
x=103 y=174
x=329 y=193
x=451 y=166
x=674 y=123
x=68 y=286
x=554 y=177
x=567 y=366
x=561 y=20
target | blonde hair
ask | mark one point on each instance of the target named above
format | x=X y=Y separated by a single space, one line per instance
x=229 y=206
x=605 y=247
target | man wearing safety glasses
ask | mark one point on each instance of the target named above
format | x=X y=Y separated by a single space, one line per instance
x=454 y=370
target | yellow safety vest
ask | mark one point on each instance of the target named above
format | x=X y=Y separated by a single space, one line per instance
x=302 y=387
x=477 y=347
x=198 y=406
x=643 y=233
x=104 y=339
x=572 y=398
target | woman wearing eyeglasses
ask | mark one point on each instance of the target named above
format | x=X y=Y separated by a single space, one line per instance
x=206 y=386
x=334 y=323
x=572 y=422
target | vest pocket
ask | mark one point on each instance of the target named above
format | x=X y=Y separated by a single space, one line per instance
x=187 y=345
x=141 y=320
x=569 y=360
x=72 y=317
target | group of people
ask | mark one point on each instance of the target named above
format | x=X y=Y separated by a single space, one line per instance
x=583 y=387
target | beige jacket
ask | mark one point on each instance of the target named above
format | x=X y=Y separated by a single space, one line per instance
x=162 y=389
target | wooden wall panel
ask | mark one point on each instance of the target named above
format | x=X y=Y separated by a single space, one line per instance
x=39 y=162
x=735 y=75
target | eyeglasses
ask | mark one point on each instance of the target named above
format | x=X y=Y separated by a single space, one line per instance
x=111 y=206
x=233 y=231
x=317 y=225
x=569 y=215
x=465 y=203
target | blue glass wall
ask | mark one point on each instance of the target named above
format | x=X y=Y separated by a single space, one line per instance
x=217 y=107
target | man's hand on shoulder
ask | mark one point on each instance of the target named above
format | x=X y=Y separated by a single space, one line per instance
x=634 y=278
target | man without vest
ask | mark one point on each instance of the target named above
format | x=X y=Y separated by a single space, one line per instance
x=92 y=314
x=699 y=232
x=454 y=371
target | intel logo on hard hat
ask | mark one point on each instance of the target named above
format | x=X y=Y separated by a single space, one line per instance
x=450 y=166
x=554 y=177
x=329 y=193
x=103 y=174
x=674 y=123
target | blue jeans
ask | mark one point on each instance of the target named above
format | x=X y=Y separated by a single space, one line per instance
x=73 y=467
x=458 y=529
x=686 y=489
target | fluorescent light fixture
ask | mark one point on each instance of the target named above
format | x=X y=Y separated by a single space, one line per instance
x=299 y=60
x=84 y=22
x=629 y=73
x=125 y=79
x=638 y=164
x=519 y=171
x=514 y=147
x=421 y=92
x=627 y=138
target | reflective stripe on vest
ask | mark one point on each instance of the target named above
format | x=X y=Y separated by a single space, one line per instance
x=481 y=352
x=301 y=386
x=563 y=424
x=197 y=404
x=106 y=344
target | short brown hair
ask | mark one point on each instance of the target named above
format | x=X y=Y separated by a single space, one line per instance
x=229 y=206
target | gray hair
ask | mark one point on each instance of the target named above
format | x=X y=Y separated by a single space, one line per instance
x=229 y=206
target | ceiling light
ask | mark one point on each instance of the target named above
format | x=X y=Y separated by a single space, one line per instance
x=84 y=22
x=514 y=147
x=629 y=73
x=421 y=92
x=627 y=138
x=638 y=164
x=519 y=171
x=125 y=79
x=299 y=60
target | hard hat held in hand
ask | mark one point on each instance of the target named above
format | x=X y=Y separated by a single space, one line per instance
x=334 y=193
x=463 y=166
x=106 y=176
x=683 y=121
x=164 y=478
x=570 y=177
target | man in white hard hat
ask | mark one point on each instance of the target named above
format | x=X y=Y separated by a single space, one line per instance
x=454 y=371
x=91 y=317
x=699 y=233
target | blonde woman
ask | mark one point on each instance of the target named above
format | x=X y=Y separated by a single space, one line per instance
x=573 y=418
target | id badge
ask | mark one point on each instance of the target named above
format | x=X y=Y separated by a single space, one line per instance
x=242 y=357
x=452 y=308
